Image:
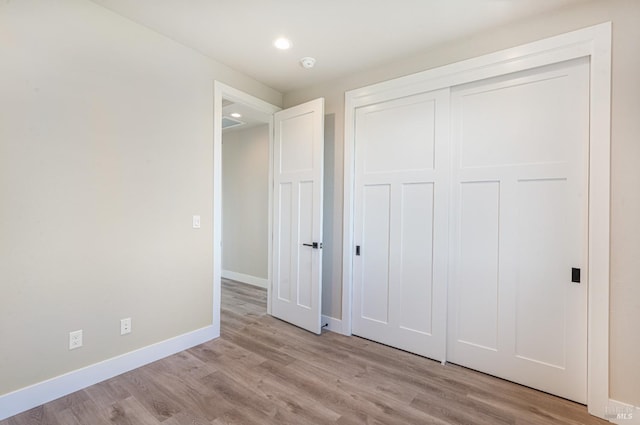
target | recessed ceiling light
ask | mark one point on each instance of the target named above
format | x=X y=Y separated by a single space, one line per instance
x=236 y=115
x=282 y=43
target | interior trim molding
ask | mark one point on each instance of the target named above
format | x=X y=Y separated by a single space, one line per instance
x=332 y=324
x=622 y=413
x=592 y=42
x=246 y=278
x=43 y=392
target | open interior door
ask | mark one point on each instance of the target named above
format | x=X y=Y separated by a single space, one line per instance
x=297 y=215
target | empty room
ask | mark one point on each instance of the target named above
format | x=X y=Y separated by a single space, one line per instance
x=337 y=212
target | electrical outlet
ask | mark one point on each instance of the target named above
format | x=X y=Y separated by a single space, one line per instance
x=125 y=326
x=75 y=339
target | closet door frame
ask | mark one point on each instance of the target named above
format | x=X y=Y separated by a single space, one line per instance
x=593 y=43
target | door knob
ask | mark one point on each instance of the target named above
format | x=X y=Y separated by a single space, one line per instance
x=314 y=245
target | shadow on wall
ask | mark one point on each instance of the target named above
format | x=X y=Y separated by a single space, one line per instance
x=328 y=213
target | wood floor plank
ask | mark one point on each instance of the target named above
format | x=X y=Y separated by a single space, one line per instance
x=452 y=407
x=153 y=397
x=69 y=401
x=224 y=355
x=196 y=398
x=66 y=417
x=186 y=418
x=129 y=412
x=265 y=371
x=41 y=415
x=183 y=364
x=240 y=417
x=260 y=347
x=90 y=412
x=251 y=402
x=339 y=396
x=303 y=407
x=231 y=320
x=105 y=394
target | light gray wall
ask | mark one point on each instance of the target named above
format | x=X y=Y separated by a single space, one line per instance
x=625 y=176
x=106 y=152
x=245 y=201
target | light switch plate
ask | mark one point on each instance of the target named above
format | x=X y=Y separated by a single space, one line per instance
x=196 y=221
x=125 y=326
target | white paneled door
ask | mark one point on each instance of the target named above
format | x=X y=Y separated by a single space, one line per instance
x=519 y=227
x=402 y=168
x=297 y=215
x=470 y=225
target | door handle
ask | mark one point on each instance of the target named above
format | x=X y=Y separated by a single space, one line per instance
x=314 y=245
x=575 y=275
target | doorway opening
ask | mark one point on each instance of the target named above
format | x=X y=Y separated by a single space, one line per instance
x=295 y=180
x=245 y=214
x=252 y=111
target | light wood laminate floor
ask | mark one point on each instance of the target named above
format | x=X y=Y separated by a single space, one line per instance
x=264 y=371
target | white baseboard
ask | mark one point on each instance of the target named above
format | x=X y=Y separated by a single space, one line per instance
x=245 y=278
x=622 y=413
x=32 y=396
x=333 y=324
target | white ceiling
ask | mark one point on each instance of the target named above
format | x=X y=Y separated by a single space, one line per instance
x=343 y=35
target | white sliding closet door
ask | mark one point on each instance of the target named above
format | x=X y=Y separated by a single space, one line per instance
x=519 y=225
x=401 y=184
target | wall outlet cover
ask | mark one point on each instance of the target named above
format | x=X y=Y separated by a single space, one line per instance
x=75 y=339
